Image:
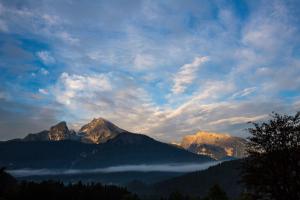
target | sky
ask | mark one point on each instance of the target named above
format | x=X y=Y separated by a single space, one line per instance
x=162 y=68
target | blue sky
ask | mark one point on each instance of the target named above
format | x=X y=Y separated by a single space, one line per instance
x=163 y=68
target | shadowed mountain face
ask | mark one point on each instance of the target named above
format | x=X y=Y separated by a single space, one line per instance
x=215 y=145
x=198 y=183
x=226 y=174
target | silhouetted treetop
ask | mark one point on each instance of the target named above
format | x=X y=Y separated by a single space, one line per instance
x=281 y=132
x=272 y=170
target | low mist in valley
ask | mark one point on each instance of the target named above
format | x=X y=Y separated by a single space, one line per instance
x=171 y=167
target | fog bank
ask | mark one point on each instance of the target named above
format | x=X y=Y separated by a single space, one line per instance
x=182 y=167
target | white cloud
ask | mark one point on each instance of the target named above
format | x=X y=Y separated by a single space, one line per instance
x=3 y=26
x=71 y=87
x=66 y=37
x=43 y=91
x=51 y=19
x=107 y=95
x=244 y=92
x=252 y=56
x=226 y=116
x=122 y=101
x=238 y=120
x=44 y=71
x=46 y=57
x=4 y=95
x=143 y=61
x=261 y=32
x=187 y=74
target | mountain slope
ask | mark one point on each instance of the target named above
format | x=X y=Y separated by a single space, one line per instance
x=215 y=145
x=225 y=174
x=197 y=183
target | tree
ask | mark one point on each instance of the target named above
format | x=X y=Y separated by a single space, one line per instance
x=216 y=193
x=11 y=189
x=272 y=169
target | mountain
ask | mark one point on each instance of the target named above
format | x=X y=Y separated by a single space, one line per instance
x=198 y=183
x=215 y=145
x=99 y=131
x=57 y=132
x=100 y=144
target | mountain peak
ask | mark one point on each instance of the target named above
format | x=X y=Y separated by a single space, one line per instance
x=61 y=125
x=204 y=137
x=59 y=131
x=100 y=120
x=99 y=130
x=216 y=145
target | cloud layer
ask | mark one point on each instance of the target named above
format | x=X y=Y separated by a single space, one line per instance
x=165 y=69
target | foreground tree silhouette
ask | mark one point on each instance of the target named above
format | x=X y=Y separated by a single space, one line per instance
x=272 y=170
x=10 y=189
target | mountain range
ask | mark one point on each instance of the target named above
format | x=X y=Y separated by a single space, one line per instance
x=97 y=144
x=100 y=130
x=100 y=144
x=97 y=131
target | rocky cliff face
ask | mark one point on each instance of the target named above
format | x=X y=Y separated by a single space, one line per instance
x=215 y=145
x=57 y=132
x=60 y=132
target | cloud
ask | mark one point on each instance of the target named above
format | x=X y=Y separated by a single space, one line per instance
x=238 y=120
x=43 y=91
x=46 y=57
x=51 y=19
x=127 y=66
x=143 y=61
x=3 y=95
x=264 y=26
x=187 y=74
x=244 y=92
x=44 y=71
x=227 y=116
x=66 y=37
x=71 y=87
x=113 y=96
x=3 y=26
